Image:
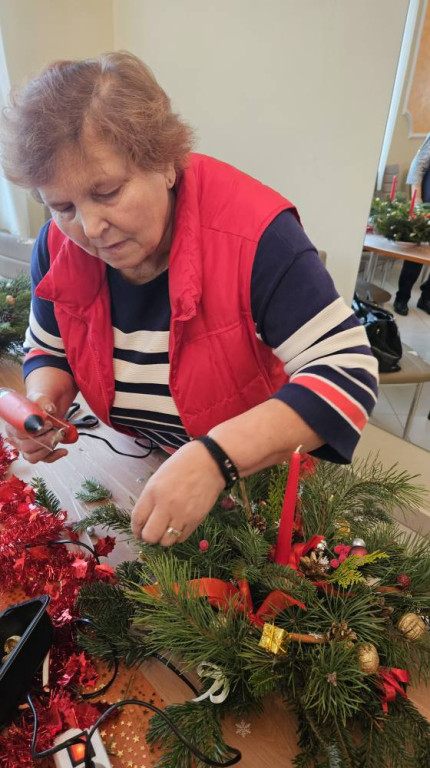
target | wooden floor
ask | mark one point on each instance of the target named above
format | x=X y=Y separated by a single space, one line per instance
x=267 y=741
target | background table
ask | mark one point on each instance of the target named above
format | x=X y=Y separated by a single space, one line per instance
x=403 y=251
x=265 y=740
x=378 y=245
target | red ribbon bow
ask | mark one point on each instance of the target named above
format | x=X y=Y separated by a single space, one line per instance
x=390 y=680
x=223 y=594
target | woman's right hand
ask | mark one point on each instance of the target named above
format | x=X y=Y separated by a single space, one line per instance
x=41 y=447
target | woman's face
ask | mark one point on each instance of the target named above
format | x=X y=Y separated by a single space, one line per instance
x=112 y=209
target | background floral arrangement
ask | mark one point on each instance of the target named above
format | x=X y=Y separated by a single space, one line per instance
x=398 y=220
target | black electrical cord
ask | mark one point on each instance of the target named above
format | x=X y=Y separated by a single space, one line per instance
x=147 y=705
x=86 y=739
x=169 y=664
x=149 y=448
x=90 y=623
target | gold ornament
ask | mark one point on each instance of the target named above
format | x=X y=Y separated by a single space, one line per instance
x=343 y=528
x=412 y=626
x=368 y=658
x=274 y=639
x=10 y=300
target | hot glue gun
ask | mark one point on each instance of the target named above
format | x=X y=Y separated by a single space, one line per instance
x=23 y=414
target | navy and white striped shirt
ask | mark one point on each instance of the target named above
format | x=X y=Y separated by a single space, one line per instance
x=297 y=312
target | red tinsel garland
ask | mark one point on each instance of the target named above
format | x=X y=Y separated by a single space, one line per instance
x=30 y=560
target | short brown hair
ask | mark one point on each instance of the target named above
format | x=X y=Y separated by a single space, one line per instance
x=116 y=96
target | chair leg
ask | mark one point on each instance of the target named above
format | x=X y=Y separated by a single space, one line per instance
x=412 y=410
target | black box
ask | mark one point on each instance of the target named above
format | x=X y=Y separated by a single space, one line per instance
x=31 y=622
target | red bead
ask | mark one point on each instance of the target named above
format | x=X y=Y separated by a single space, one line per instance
x=227 y=503
x=204 y=545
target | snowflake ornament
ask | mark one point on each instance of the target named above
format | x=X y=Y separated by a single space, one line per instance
x=243 y=729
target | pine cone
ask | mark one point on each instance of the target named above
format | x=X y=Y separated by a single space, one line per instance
x=259 y=522
x=385 y=610
x=311 y=567
x=338 y=632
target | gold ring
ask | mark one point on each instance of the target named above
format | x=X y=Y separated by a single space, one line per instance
x=174 y=532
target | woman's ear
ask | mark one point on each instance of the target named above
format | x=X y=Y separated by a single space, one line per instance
x=170 y=176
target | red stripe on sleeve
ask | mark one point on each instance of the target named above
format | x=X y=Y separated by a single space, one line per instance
x=339 y=399
x=35 y=353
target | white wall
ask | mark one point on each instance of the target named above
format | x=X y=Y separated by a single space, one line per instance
x=295 y=93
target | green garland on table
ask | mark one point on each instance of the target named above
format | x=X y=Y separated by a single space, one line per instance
x=336 y=663
x=15 y=298
x=391 y=218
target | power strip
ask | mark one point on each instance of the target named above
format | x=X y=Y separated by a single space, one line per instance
x=74 y=755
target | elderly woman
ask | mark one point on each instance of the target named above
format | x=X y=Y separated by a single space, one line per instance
x=179 y=295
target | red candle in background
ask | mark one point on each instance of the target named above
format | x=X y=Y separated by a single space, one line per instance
x=393 y=188
x=285 y=535
x=411 y=209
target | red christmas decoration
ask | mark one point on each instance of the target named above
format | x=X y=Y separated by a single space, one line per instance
x=204 y=545
x=30 y=560
x=403 y=580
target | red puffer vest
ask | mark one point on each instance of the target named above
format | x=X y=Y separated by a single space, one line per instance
x=218 y=367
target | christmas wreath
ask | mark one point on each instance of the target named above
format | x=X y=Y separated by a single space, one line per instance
x=339 y=632
x=398 y=220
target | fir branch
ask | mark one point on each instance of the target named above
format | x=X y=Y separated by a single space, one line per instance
x=199 y=724
x=107 y=516
x=44 y=497
x=92 y=490
x=108 y=606
x=335 y=687
x=365 y=492
x=357 y=609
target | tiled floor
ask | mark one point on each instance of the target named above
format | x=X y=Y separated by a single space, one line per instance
x=394 y=401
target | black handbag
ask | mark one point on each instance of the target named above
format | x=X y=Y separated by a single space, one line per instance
x=382 y=332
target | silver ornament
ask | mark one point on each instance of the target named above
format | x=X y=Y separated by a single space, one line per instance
x=322 y=546
x=90 y=530
x=358 y=543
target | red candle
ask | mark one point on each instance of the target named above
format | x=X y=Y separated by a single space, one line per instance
x=285 y=535
x=411 y=209
x=393 y=188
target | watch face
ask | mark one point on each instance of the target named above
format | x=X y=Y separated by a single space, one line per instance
x=76 y=751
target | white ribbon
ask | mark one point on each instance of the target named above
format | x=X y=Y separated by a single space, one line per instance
x=219 y=689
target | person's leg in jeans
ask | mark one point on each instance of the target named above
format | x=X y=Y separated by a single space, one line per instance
x=408 y=276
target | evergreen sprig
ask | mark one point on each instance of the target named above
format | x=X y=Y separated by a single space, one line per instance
x=45 y=497
x=92 y=490
x=348 y=572
x=106 y=516
x=199 y=724
x=15 y=297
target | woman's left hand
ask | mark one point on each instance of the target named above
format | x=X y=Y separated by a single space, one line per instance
x=178 y=496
